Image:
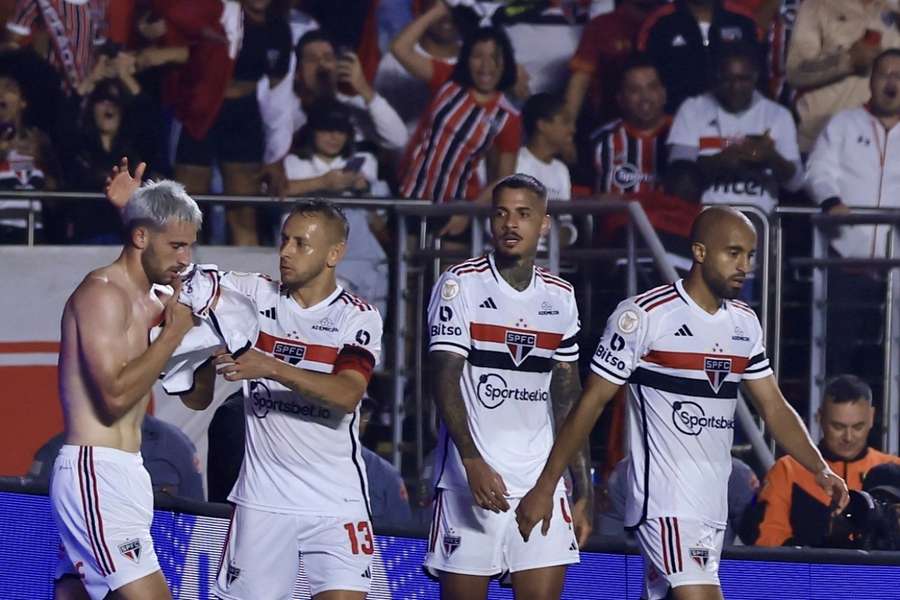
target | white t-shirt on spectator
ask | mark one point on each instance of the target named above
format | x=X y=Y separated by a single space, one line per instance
x=555 y=177
x=703 y=128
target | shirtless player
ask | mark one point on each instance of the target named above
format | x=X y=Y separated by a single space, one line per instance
x=100 y=492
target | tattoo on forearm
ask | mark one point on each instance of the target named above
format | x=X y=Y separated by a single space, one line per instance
x=448 y=398
x=565 y=389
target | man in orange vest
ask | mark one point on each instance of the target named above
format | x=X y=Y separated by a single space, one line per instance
x=795 y=511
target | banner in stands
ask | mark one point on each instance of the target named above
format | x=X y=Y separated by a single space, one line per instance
x=189 y=547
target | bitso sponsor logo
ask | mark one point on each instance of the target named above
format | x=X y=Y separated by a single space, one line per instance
x=445 y=315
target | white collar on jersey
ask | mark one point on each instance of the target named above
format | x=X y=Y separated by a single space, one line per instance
x=318 y=305
x=504 y=285
x=679 y=286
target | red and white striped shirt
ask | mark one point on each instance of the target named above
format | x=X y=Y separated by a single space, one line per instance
x=454 y=137
x=627 y=160
x=75 y=27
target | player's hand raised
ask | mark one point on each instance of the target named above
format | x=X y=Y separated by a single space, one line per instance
x=536 y=507
x=835 y=487
x=252 y=364
x=177 y=317
x=120 y=185
x=486 y=484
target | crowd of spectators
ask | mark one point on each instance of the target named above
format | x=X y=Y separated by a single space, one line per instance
x=675 y=104
x=238 y=97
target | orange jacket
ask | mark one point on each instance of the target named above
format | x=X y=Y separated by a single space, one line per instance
x=796 y=508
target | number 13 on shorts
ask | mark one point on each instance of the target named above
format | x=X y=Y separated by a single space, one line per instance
x=360 y=535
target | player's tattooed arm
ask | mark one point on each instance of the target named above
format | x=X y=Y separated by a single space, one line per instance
x=486 y=485
x=565 y=390
x=447 y=368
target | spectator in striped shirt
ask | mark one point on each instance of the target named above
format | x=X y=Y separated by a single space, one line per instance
x=74 y=27
x=630 y=152
x=469 y=120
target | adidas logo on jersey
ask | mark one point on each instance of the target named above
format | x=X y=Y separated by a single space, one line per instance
x=269 y=313
x=489 y=303
x=683 y=331
x=367 y=574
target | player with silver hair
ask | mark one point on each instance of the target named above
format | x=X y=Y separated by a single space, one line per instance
x=100 y=491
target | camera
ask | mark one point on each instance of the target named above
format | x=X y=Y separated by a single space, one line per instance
x=871 y=520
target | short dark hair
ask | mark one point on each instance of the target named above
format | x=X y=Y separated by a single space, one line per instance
x=847 y=388
x=315 y=35
x=886 y=54
x=540 y=107
x=326 y=210
x=519 y=181
x=461 y=73
x=326 y=114
x=633 y=63
x=746 y=51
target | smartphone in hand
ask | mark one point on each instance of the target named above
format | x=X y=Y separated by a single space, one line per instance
x=354 y=165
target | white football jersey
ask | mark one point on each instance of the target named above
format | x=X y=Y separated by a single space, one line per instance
x=510 y=340
x=702 y=123
x=683 y=366
x=301 y=456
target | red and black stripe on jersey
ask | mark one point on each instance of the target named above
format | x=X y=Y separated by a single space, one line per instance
x=657 y=297
x=625 y=162
x=501 y=359
x=478 y=264
x=348 y=298
x=448 y=150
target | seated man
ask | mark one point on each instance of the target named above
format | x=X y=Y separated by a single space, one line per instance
x=745 y=144
x=794 y=509
x=169 y=457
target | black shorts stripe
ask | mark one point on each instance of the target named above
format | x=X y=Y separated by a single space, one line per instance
x=502 y=360
x=670 y=542
x=684 y=386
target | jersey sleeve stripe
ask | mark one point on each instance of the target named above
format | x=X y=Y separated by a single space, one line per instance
x=484 y=332
x=692 y=361
x=569 y=341
x=448 y=347
x=756 y=359
x=557 y=283
x=355 y=358
x=607 y=374
x=684 y=386
x=565 y=357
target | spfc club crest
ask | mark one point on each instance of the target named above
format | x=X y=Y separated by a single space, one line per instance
x=451 y=542
x=131 y=549
x=232 y=574
x=520 y=345
x=717 y=369
x=289 y=352
x=700 y=556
